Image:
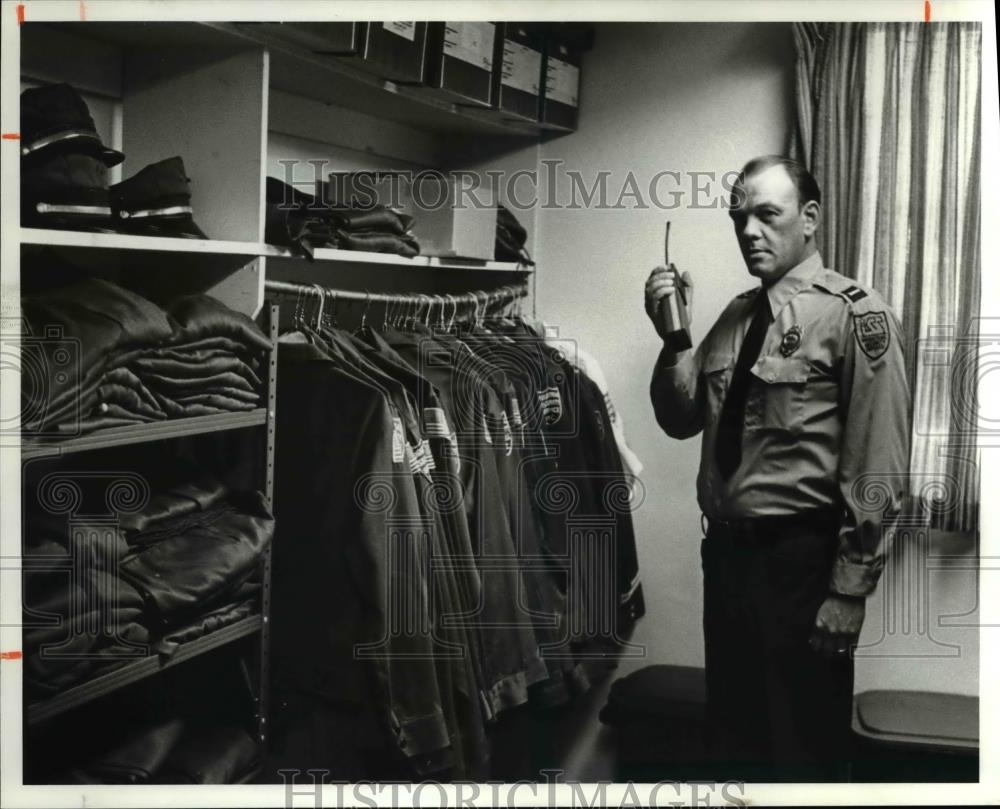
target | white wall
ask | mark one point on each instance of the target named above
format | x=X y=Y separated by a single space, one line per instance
x=659 y=97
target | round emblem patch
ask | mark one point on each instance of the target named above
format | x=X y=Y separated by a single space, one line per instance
x=791 y=340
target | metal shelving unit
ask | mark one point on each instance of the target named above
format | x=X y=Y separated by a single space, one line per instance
x=129 y=673
x=143 y=433
x=108 y=682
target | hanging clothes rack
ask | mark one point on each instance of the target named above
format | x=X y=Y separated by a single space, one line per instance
x=481 y=301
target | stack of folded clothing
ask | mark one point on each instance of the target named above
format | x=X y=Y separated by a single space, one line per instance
x=194 y=546
x=103 y=593
x=300 y=222
x=376 y=229
x=293 y=219
x=511 y=238
x=98 y=355
x=64 y=175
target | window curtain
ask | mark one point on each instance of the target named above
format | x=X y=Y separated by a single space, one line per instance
x=888 y=122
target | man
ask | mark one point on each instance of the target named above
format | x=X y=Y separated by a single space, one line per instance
x=800 y=393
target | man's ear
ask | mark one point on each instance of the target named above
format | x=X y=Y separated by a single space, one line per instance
x=810 y=214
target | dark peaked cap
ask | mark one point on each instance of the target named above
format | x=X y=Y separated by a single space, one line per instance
x=55 y=118
x=156 y=202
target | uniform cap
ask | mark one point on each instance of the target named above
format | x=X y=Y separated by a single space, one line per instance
x=156 y=202
x=66 y=191
x=54 y=118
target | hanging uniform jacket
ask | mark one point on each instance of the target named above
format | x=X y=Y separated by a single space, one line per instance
x=349 y=526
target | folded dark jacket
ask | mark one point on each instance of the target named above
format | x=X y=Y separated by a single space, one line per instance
x=83 y=331
x=115 y=398
x=122 y=387
x=120 y=396
x=184 y=572
x=77 y=331
x=211 y=754
x=211 y=621
x=138 y=756
x=371 y=242
x=197 y=368
x=166 y=507
x=378 y=219
x=203 y=349
x=172 y=385
x=230 y=401
x=179 y=409
x=77 y=618
x=96 y=627
x=107 y=417
x=197 y=317
x=123 y=413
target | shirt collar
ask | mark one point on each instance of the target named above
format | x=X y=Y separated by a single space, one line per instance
x=793 y=282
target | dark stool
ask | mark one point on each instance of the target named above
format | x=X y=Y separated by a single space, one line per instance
x=915 y=736
x=658 y=713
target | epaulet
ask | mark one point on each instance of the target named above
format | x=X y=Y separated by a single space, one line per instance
x=837 y=284
x=748 y=294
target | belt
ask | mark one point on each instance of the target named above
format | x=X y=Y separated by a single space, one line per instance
x=759 y=531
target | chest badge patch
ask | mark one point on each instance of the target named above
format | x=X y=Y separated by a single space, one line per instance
x=872 y=333
x=790 y=341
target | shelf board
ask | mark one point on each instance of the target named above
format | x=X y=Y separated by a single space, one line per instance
x=140 y=669
x=143 y=433
x=325 y=254
x=125 y=241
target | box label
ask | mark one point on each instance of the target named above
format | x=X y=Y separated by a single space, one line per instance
x=471 y=42
x=562 y=82
x=406 y=30
x=521 y=67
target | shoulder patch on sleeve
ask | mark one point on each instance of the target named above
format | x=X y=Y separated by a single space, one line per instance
x=871 y=330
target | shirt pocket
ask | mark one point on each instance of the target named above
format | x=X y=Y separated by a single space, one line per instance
x=779 y=402
x=716 y=371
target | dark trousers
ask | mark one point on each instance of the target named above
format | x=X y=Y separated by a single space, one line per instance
x=778 y=710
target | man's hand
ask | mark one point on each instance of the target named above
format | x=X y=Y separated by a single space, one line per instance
x=660 y=285
x=838 y=625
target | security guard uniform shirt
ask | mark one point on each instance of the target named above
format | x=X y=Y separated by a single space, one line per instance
x=826 y=418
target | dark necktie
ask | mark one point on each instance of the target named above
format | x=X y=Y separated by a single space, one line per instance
x=729 y=436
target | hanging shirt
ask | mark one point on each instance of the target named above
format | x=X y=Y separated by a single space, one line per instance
x=826 y=419
x=588 y=364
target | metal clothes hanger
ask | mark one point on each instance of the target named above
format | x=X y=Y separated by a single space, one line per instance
x=321 y=299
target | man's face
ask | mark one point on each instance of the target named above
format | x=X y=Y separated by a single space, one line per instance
x=771 y=227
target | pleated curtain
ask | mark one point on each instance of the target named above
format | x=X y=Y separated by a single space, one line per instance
x=888 y=122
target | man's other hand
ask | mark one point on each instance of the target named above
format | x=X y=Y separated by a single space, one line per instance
x=838 y=625
x=661 y=284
